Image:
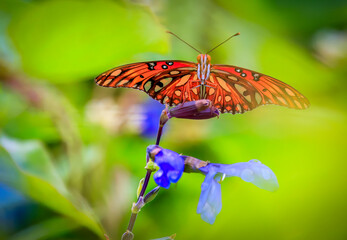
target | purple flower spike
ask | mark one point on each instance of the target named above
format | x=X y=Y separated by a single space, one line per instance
x=200 y=109
x=210 y=202
x=171 y=165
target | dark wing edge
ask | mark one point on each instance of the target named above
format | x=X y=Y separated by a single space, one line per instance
x=249 y=89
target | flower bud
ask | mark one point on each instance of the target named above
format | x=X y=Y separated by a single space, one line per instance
x=164 y=117
x=128 y=235
x=200 y=109
x=151 y=195
x=151 y=166
x=139 y=188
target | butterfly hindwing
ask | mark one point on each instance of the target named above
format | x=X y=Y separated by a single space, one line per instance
x=239 y=90
x=166 y=81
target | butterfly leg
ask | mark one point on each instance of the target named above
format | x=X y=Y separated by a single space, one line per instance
x=196 y=81
x=195 y=87
x=214 y=85
x=211 y=84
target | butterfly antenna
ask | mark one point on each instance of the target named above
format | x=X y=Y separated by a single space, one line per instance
x=184 y=41
x=223 y=42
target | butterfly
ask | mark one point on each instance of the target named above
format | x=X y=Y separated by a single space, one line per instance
x=230 y=88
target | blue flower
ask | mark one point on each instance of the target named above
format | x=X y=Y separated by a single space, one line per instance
x=210 y=202
x=151 y=113
x=171 y=165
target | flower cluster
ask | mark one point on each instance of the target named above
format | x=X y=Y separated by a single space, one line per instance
x=171 y=166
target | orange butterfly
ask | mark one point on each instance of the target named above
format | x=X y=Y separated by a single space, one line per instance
x=230 y=88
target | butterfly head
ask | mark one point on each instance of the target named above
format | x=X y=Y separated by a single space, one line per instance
x=204 y=59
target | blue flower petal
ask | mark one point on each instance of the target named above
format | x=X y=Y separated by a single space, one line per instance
x=210 y=203
x=161 y=179
x=253 y=171
x=205 y=190
x=171 y=166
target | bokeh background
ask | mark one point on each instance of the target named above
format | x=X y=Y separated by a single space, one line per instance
x=72 y=153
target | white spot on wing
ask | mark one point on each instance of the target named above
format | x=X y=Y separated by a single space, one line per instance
x=238 y=108
x=147 y=86
x=178 y=92
x=211 y=91
x=297 y=104
x=107 y=81
x=183 y=80
x=195 y=91
x=121 y=83
x=174 y=72
x=116 y=73
x=240 y=88
x=166 y=99
x=258 y=98
x=223 y=84
x=282 y=100
x=290 y=92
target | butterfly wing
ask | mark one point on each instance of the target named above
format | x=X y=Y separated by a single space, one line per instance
x=166 y=81
x=237 y=90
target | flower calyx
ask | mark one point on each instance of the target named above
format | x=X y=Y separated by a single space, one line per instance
x=199 y=109
x=136 y=208
x=151 y=166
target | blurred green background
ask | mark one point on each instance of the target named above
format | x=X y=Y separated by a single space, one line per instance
x=72 y=153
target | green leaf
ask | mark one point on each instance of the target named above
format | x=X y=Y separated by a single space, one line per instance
x=76 y=40
x=31 y=157
x=27 y=167
x=16 y=115
x=46 y=229
x=11 y=106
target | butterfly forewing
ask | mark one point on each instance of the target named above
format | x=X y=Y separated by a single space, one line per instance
x=238 y=90
x=166 y=81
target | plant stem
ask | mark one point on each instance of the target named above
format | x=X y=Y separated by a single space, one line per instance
x=132 y=222
x=143 y=190
x=160 y=130
x=145 y=184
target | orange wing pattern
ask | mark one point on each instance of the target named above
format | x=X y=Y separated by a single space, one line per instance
x=237 y=90
x=169 y=82
x=231 y=89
